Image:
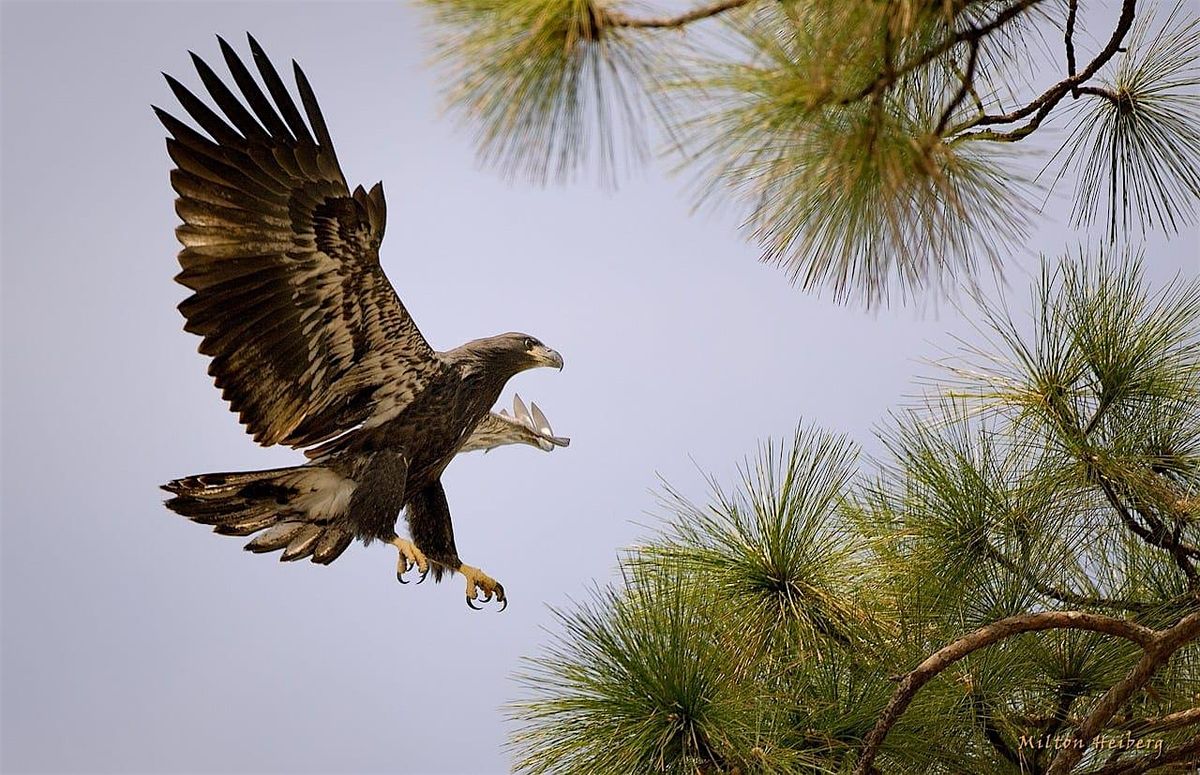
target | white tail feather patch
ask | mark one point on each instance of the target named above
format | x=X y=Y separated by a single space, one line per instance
x=324 y=494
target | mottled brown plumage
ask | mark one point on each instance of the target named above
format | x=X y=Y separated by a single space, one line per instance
x=309 y=342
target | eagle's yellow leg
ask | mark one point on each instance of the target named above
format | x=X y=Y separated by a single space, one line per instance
x=478 y=581
x=410 y=557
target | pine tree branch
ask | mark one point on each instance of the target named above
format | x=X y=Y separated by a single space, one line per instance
x=887 y=79
x=1139 y=726
x=968 y=80
x=1061 y=595
x=1097 y=91
x=982 y=638
x=1041 y=107
x=1156 y=534
x=1069 y=40
x=979 y=707
x=1067 y=694
x=1166 y=723
x=1102 y=406
x=1156 y=653
x=976 y=100
x=1148 y=762
x=620 y=19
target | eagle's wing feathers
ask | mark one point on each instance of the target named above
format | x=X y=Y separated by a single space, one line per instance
x=307 y=336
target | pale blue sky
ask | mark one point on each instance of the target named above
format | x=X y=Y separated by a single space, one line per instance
x=134 y=641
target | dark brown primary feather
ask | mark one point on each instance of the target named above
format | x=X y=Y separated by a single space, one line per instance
x=307 y=336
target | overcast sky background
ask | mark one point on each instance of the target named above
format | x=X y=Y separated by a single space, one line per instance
x=135 y=641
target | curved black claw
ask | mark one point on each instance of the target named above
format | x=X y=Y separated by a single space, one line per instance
x=424 y=573
x=500 y=598
x=400 y=577
x=503 y=603
x=472 y=606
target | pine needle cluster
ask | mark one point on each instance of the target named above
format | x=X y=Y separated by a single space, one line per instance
x=849 y=185
x=550 y=85
x=1135 y=147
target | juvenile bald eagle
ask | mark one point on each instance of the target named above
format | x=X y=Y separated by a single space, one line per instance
x=311 y=346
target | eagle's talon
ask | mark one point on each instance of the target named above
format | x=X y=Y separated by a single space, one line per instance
x=410 y=557
x=482 y=587
x=472 y=606
x=424 y=573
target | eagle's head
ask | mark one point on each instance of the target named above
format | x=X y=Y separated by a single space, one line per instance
x=515 y=352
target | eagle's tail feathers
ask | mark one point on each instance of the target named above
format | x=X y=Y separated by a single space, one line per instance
x=299 y=510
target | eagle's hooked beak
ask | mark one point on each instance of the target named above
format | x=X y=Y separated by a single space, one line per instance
x=548 y=357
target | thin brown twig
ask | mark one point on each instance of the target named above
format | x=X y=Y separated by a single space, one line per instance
x=1061 y=595
x=1068 y=693
x=886 y=80
x=1155 y=534
x=967 y=81
x=983 y=714
x=1097 y=91
x=620 y=19
x=1069 y=36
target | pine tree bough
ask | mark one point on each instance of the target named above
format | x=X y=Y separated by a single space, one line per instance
x=1157 y=646
x=1171 y=721
x=893 y=74
x=1061 y=595
x=1041 y=107
x=619 y=19
x=1157 y=535
x=1137 y=726
x=843 y=129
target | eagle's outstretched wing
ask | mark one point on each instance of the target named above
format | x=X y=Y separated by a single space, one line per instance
x=307 y=337
x=521 y=427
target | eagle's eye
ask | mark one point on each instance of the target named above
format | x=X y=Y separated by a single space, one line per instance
x=530 y=343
